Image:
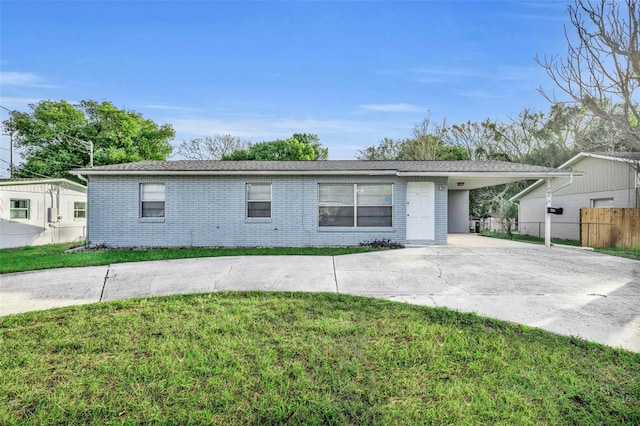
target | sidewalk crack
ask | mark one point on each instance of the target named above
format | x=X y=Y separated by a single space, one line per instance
x=335 y=275
x=104 y=283
x=446 y=281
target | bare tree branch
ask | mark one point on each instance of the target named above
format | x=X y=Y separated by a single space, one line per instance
x=602 y=68
x=211 y=148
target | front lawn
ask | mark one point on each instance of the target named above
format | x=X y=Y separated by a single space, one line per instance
x=54 y=256
x=265 y=358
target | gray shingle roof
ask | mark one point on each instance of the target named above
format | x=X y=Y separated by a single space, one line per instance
x=335 y=166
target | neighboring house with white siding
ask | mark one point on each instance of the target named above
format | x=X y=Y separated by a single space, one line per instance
x=41 y=211
x=609 y=180
x=287 y=203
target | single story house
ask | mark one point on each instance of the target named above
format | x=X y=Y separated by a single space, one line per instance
x=287 y=203
x=41 y=211
x=610 y=180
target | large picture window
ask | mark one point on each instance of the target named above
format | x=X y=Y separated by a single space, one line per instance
x=259 y=200
x=336 y=205
x=152 y=200
x=375 y=204
x=355 y=205
x=20 y=209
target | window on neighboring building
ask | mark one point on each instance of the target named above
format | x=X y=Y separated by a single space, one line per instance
x=79 y=210
x=20 y=209
x=258 y=200
x=602 y=202
x=355 y=205
x=152 y=200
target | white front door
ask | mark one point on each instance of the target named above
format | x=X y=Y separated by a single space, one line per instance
x=421 y=210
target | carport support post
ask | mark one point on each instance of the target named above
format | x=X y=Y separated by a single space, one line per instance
x=547 y=215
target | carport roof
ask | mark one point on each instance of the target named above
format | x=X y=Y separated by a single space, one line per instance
x=472 y=174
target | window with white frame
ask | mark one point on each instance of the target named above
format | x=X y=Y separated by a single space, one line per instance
x=355 y=205
x=259 y=200
x=152 y=199
x=79 y=210
x=20 y=209
x=374 y=205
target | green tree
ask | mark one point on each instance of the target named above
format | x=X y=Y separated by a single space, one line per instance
x=57 y=136
x=312 y=140
x=211 y=148
x=426 y=144
x=427 y=147
x=301 y=146
x=387 y=149
x=452 y=153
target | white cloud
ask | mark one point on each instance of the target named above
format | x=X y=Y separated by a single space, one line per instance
x=171 y=108
x=483 y=94
x=18 y=103
x=447 y=72
x=24 y=79
x=401 y=107
x=495 y=75
x=265 y=129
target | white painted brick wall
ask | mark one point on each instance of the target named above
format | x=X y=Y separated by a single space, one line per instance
x=210 y=211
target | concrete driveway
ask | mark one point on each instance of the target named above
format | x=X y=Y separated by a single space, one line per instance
x=567 y=291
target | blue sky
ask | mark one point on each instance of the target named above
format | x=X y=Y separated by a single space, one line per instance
x=351 y=72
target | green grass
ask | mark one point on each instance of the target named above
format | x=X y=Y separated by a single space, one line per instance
x=613 y=251
x=281 y=358
x=54 y=256
x=628 y=253
x=529 y=238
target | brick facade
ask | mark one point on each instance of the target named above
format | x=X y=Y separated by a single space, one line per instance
x=210 y=211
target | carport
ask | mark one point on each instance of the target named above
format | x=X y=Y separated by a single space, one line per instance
x=460 y=184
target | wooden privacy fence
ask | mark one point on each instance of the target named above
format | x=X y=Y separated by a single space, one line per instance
x=610 y=227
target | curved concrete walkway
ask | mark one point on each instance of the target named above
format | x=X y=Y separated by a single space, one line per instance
x=566 y=291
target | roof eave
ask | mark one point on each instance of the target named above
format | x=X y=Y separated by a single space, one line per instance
x=536 y=184
x=505 y=174
x=470 y=174
x=231 y=172
x=570 y=162
x=46 y=181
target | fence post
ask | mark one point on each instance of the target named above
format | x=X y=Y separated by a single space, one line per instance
x=547 y=215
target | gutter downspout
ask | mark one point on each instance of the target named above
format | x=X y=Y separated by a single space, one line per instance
x=86 y=227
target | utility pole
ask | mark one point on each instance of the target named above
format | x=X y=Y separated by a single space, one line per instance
x=11 y=155
x=10 y=145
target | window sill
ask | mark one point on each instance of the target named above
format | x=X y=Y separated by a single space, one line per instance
x=257 y=220
x=151 y=219
x=355 y=229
